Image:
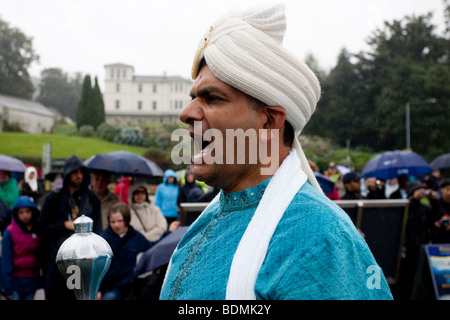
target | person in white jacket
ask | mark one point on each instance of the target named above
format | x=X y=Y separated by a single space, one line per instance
x=146 y=217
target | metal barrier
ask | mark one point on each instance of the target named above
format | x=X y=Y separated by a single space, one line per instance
x=381 y=222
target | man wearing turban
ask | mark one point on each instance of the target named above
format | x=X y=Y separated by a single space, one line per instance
x=271 y=235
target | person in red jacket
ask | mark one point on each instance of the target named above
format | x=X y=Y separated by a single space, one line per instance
x=20 y=266
x=121 y=189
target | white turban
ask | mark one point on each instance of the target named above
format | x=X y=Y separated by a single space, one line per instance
x=244 y=50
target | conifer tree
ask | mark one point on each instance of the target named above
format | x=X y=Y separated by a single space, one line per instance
x=98 y=107
x=83 y=111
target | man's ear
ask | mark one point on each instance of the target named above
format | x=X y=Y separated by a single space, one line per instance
x=276 y=116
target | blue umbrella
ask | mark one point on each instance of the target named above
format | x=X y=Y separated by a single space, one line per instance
x=441 y=162
x=325 y=183
x=8 y=163
x=124 y=163
x=392 y=164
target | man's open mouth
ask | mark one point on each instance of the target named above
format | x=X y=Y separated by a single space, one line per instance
x=202 y=149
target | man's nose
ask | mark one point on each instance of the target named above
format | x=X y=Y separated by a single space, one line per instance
x=192 y=112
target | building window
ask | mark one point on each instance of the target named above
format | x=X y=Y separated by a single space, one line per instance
x=117 y=87
x=154 y=88
x=139 y=105
x=154 y=105
x=117 y=104
x=112 y=73
x=124 y=73
x=140 y=87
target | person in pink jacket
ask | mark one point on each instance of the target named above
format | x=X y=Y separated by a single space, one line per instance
x=20 y=265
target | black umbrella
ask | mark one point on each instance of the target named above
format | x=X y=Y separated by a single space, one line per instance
x=441 y=162
x=124 y=163
x=160 y=253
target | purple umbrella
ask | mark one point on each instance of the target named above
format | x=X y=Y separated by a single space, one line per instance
x=441 y=162
x=8 y=163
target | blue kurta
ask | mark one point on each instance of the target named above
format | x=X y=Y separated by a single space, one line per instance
x=315 y=252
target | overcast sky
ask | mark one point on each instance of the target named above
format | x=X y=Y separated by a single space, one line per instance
x=157 y=36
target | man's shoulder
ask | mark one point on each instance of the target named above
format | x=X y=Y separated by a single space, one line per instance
x=311 y=203
x=311 y=213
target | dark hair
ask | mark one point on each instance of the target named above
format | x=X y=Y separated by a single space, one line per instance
x=140 y=188
x=288 y=137
x=123 y=209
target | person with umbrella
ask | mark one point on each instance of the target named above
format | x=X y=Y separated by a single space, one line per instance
x=9 y=188
x=100 y=180
x=146 y=217
x=55 y=223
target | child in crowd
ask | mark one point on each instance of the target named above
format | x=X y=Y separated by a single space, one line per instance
x=126 y=243
x=20 y=266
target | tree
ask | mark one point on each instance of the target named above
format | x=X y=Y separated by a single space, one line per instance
x=408 y=63
x=91 y=109
x=57 y=90
x=342 y=104
x=83 y=111
x=364 y=95
x=98 y=106
x=16 y=56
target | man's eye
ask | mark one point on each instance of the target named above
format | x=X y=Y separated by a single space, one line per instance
x=212 y=99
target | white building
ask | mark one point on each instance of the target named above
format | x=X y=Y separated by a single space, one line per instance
x=26 y=115
x=136 y=99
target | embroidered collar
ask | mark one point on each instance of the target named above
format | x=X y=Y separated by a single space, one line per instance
x=243 y=199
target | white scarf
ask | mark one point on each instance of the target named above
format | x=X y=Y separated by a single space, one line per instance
x=252 y=248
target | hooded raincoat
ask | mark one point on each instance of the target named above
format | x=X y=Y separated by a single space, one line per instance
x=20 y=266
x=166 y=197
x=56 y=209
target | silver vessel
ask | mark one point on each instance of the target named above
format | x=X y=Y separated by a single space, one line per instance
x=83 y=259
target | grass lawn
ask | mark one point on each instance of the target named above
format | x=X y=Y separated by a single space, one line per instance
x=63 y=146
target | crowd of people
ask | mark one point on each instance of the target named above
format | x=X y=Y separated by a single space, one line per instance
x=428 y=213
x=35 y=224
